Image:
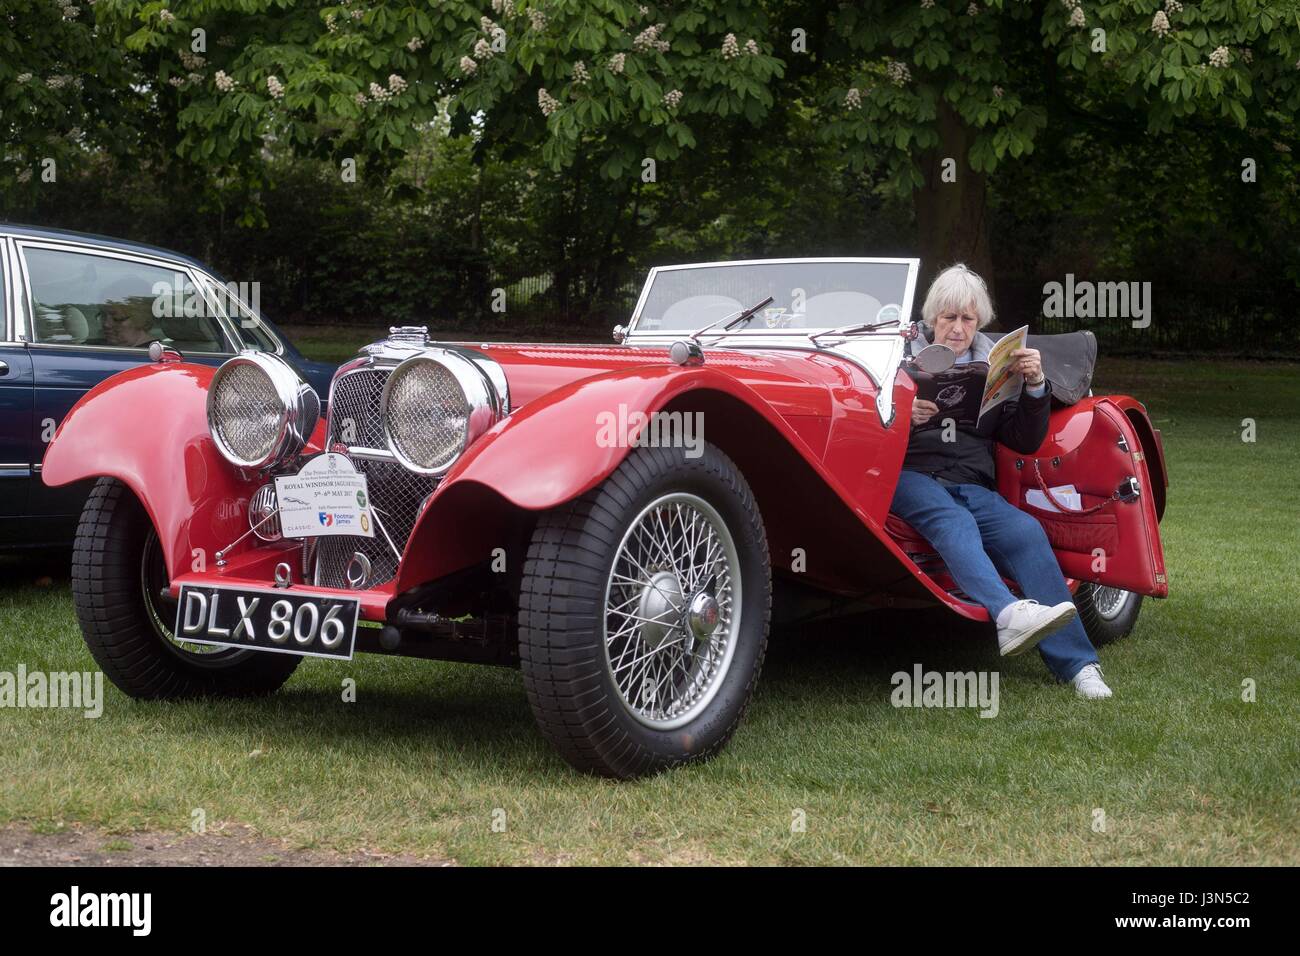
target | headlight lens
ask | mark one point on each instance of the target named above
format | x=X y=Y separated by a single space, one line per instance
x=434 y=405
x=260 y=411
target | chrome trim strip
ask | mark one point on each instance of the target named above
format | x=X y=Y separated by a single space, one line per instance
x=371 y=454
x=208 y=282
x=6 y=328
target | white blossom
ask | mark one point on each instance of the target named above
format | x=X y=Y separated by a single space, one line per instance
x=506 y=7
x=23 y=77
x=648 y=39
x=973 y=10
x=1173 y=6
x=486 y=24
x=1077 y=18
x=672 y=98
x=331 y=22
x=191 y=61
x=537 y=20
x=997 y=91
x=1220 y=57
x=751 y=47
x=1160 y=24
x=414 y=44
x=70 y=12
x=468 y=66
x=548 y=103
x=166 y=16
x=730 y=48
x=396 y=84
x=176 y=80
x=927 y=4
x=24 y=175
x=379 y=94
x=616 y=62
x=853 y=98
x=274 y=87
x=580 y=74
x=897 y=71
x=360 y=99
x=225 y=82
x=482 y=50
x=357 y=14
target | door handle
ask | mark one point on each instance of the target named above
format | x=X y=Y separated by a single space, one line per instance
x=4 y=368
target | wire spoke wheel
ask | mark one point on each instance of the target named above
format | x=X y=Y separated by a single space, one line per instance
x=1109 y=601
x=672 y=610
x=638 y=645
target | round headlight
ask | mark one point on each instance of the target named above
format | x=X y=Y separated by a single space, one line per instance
x=434 y=405
x=260 y=411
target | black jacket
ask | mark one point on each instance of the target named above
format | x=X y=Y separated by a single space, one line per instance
x=1020 y=424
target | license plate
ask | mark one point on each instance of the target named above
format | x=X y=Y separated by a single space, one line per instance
x=279 y=621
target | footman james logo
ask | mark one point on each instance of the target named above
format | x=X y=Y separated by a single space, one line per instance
x=327 y=518
x=74 y=908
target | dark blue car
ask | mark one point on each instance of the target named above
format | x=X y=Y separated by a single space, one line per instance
x=75 y=309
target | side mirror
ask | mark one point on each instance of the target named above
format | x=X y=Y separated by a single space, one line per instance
x=935 y=359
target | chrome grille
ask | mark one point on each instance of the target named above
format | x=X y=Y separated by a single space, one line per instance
x=396 y=494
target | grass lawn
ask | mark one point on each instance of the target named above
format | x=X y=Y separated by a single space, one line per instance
x=1183 y=770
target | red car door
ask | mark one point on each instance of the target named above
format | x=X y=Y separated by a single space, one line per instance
x=1113 y=538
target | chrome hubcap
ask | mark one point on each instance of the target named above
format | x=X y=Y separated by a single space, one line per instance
x=672 y=610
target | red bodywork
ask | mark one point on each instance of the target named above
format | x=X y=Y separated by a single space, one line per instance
x=801 y=425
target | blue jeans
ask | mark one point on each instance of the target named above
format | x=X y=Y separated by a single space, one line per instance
x=981 y=537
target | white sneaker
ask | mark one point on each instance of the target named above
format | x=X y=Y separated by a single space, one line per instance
x=1023 y=624
x=1088 y=683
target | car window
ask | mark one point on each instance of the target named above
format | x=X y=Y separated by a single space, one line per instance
x=248 y=325
x=86 y=299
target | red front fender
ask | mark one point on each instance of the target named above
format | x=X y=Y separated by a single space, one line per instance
x=148 y=428
x=547 y=453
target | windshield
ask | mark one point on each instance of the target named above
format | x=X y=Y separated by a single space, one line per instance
x=809 y=294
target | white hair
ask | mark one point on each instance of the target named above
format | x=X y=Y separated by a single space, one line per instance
x=954 y=289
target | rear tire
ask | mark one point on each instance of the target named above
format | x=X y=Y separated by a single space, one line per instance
x=638 y=655
x=117 y=578
x=1107 y=614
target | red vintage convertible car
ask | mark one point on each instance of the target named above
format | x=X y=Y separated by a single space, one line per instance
x=610 y=520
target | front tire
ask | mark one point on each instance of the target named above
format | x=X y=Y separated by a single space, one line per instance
x=1107 y=614
x=118 y=575
x=643 y=614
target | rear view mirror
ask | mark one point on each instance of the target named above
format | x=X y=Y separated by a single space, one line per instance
x=935 y=359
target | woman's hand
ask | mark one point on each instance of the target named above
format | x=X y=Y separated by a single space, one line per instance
x=923 y=411
x=1029 y=363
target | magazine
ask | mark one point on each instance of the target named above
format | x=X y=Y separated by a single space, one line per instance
x=966 y=393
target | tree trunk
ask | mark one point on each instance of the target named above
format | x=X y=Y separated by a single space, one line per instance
x=952 y=216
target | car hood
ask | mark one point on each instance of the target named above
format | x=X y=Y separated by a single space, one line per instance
x=796 y=382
